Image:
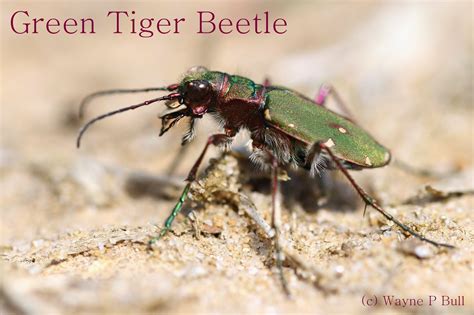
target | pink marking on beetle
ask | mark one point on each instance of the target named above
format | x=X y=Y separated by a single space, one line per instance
x=200 y=110
x=323 y=93
x=224 y=86
x=266 y=83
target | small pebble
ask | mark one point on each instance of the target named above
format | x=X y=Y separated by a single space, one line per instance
x=423 y=252
x=38 y=243
x=101 y=247
x=253 y=271
x=339 y=269
x=416 y=248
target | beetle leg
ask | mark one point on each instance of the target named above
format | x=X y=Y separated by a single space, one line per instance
x=266 y=82
x=216 y=140
x=372 y=202
x=327 y=90
x=276 y=222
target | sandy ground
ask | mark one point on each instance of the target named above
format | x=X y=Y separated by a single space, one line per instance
x=75 y=223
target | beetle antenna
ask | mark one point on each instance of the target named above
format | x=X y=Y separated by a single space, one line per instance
x=86 y=100
x=121 y=110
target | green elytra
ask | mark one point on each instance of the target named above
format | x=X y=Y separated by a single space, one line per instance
x=302 y=119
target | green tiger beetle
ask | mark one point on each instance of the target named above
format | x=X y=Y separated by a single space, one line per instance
x=286 y=128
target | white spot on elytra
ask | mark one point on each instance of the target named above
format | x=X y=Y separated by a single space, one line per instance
x=291 y=125
x=368 y=161
x=342 y=130
x=329 y=143
x=266 y=114
x=386 y=156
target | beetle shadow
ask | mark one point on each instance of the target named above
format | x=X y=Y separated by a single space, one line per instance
x=141 y=184
x=327 y=190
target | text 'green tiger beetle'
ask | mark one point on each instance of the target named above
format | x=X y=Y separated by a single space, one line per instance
x=285 y=128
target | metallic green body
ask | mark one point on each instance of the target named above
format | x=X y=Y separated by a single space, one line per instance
x=297 y=116
x=240 y=88
x=200 y=73
x=301 y=118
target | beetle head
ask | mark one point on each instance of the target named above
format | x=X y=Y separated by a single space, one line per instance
x=196 y=95
x=193 y=101
x=190 y=98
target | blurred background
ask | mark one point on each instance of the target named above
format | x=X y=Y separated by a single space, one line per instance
x=405 y=69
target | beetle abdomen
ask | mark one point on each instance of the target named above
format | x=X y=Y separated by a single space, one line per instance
x=302 y=119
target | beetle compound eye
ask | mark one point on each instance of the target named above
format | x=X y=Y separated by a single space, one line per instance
x=197 y=91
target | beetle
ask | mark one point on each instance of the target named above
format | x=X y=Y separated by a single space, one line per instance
x=286 y=128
